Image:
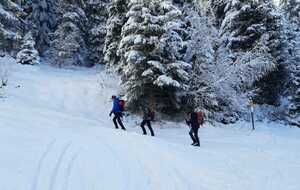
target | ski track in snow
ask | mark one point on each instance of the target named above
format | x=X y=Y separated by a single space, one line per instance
x=119 y=163
x=69 y=171
x=40 y=165
x=170 y=171
x=58 y=164
x=62 y=115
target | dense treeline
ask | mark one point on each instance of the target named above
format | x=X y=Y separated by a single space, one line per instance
x=212 y=55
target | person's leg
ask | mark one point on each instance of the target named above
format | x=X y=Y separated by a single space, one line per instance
x=143 y=127
x=196 y=136
x=192 y=136
x=115 y=121
x=120 y=121
x=150 y=128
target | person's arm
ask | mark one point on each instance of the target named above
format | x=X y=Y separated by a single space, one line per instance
x=111 y=111
x=188 y=122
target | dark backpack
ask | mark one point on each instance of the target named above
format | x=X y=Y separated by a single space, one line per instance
x=152 y=115
x=122 y=105
x=200 y=117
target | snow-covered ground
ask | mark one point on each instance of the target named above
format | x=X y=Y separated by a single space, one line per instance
x=55 y=134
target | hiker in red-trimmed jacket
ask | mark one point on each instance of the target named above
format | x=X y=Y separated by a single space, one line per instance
x=193 y=122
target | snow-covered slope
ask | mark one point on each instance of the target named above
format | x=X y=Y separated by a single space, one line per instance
x=55 y=134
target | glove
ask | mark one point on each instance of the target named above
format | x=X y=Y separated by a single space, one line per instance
x=110 y=114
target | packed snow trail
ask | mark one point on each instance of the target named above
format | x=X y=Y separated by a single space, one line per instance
x=55 y=134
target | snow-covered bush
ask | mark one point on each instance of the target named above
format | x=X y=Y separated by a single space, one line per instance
x=28 y=54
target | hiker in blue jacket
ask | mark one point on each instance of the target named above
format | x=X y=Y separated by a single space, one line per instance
x=116 y=110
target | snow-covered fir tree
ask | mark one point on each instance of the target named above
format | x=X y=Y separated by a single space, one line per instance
x=28 y=54
x=44 y=19
x=11 y=26
x=200 y=52
x=116 y=19
x=97 y=14
x=68 y=46
x=247 y=52
x=291 y=10
x=150 y=51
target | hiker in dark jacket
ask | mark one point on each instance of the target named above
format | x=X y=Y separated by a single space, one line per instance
x=192 y=121
x=147 y=117
x=117 y=113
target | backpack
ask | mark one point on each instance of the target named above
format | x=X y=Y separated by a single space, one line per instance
x=200 y=117
x=152 y=115
x=122 y=105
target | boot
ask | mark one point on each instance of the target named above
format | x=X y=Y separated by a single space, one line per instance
x=196 y=144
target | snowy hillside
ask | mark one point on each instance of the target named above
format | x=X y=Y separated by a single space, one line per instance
x=55 y=133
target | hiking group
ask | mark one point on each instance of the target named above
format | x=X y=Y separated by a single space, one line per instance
x=194 y=119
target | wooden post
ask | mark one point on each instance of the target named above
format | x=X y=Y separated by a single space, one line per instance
x=252 y=105
x=252 y=118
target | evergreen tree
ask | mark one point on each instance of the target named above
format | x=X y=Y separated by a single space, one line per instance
x=200 y=52
x=291 y=10
x=116 y=19
x=97 y=17
x=11 y=26
x=248 y=56
x=150 y=54
x=44 y=17
x=68 y=46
